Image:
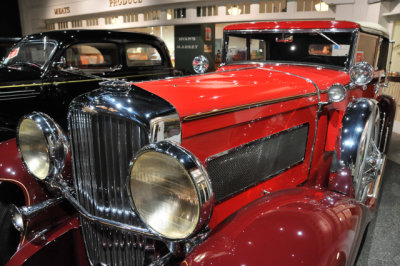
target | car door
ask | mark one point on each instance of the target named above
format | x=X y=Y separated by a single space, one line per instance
x=79 y=69
x=144 y=61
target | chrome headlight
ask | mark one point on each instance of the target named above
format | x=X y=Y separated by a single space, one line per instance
x=337 y=93
x=42 y=145
x=171 y=190
x=361 y=73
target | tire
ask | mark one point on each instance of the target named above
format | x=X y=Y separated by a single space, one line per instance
x=9 y=236
x=369 y=160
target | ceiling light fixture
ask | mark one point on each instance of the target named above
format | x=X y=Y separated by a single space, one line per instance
x=234 y=10
x=321 y=7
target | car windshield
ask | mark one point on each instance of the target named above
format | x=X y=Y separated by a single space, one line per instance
x=317 y=47
x=31 y=52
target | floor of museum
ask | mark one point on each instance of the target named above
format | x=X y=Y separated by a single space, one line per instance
x=382 y=245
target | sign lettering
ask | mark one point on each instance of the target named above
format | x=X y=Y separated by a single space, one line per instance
x=62 y=10
x=115 y=3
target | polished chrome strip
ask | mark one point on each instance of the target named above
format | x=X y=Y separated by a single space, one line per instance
x=17 y=97
x=378 y=182
x=244 y=107
x=10 y=92
x=316 y=117
x=115 y=224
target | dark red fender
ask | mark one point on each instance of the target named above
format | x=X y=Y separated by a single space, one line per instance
x=12 y=170
x=290 y=227
x=63 y=246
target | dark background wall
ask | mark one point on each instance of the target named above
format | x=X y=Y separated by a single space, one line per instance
x=10 y=25
x=192 y=41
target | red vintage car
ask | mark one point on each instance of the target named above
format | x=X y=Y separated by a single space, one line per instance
x=276 y=158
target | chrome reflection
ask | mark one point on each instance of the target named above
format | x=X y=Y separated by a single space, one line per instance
x=198 y=178
x=21 y=215
x=336 y=93
x=200 y=64
x=361 y=73
x=166 y=128
x=107 y=127
x=360 y=140
x=42 y=145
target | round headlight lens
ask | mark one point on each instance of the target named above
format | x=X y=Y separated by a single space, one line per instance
x=170 y=190
x=42 y=144
x=336 y=93
x=33 y=148
x=361 y=73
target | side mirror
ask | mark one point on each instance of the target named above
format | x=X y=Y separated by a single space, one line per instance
x=361 y=73
x=200 y=64
x=60 y=64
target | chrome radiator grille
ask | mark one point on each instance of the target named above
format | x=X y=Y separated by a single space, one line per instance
x=102 y=146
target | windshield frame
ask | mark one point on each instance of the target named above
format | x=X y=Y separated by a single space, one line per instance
x=32 y=40
x=353 y=43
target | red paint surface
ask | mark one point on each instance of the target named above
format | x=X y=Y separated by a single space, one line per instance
x=293 y=25
x=300 y=226
x=42 y=248
x=240 y=85
x=12 y=170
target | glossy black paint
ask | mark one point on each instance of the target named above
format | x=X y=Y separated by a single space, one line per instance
x=6 y=43
x=133 y=104
x=50 y=89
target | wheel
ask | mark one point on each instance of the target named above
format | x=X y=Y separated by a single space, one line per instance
x=9 y=236
x=369 y=159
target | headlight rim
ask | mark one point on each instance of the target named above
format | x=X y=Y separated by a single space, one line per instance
x=190 y=163
x=56 y=140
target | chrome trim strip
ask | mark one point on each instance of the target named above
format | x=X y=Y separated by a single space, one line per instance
x=316 y=117
x=67 y=194
x=18 y=98
x=378 y=182
x=217 y=155
x=161 y=126
x=10 y=92
x=244 y=107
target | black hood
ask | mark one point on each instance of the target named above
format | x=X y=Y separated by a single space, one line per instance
x=18 y=74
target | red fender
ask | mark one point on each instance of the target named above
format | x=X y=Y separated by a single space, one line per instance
x=66 y=238
x=290 y=227
x=12 y=170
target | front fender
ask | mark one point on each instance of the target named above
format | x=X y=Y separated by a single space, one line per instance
x=290 y=227
x=13 y=171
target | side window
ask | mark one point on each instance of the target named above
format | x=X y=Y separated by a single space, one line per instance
x=367 y=48
x=383 y=54
x=257 y=49
x=140 y=54
x=92 y=55
x=237 y=49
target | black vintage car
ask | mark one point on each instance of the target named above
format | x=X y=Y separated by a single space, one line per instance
x=6 y=43
x=45 y=71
